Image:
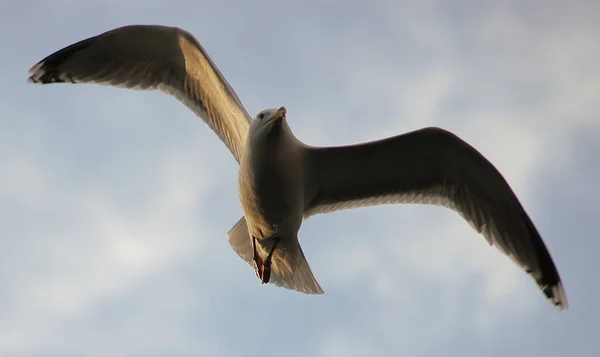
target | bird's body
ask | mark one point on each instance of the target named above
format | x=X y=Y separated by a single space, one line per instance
x=271 y=183
x=271 y=189
x=282 y=181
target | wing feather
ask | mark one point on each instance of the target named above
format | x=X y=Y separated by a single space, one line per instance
x=152 y=57
x=432 y=166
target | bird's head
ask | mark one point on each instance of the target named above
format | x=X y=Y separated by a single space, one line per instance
x=268 y=122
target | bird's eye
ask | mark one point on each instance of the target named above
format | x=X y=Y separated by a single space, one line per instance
x=261 y=115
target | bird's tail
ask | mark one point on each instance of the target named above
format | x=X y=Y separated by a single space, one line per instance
x=289 y=268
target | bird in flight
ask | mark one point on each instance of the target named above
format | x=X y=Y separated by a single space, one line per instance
x=283 y=181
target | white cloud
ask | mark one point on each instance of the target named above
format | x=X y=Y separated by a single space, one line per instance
x=89 y=245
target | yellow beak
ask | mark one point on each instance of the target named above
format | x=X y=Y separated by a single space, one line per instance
x=279 y=114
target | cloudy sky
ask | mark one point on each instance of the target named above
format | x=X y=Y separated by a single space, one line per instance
x=114 y=204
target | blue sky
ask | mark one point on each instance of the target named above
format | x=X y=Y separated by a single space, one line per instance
x=114 y=204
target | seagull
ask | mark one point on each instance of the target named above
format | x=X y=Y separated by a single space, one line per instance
x=283 y=181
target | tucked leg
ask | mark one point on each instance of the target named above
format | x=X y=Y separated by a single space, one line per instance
x=262 y=268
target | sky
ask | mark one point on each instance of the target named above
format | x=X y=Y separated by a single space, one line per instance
x=114 y=204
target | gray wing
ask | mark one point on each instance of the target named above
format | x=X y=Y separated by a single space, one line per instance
x=149 y=57
x=432 y=166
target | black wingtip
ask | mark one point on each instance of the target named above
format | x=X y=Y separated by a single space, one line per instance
x=556 y=293
x=41 y=74
x=49 y=70
x=38 y=75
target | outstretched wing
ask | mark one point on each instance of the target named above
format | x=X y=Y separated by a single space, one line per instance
x=149 y=57
x=432 y=166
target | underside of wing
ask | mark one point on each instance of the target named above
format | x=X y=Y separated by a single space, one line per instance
x=149 y=57
x=433 y=166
